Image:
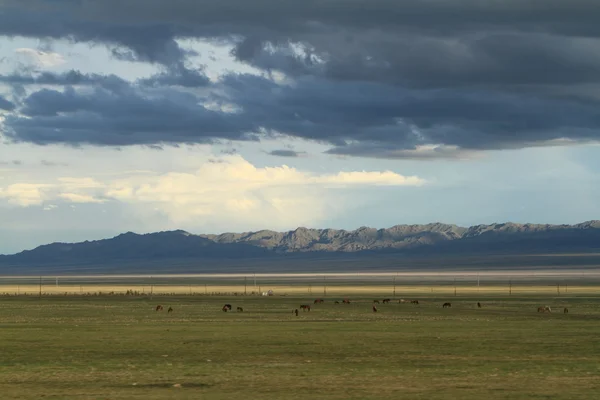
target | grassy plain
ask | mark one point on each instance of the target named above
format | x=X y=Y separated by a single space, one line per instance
x=118 y=347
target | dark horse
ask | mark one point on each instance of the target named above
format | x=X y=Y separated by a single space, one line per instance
x=336 y=302
x=296 y=312
x=384 y=301
x=346 y=301
x=447 y=305
x=228 y=306
x=318 y=301
x=170 y=310
x=305 y=307
x=414 y=301
x=374 y=309
x=566 y=310
x=159 y=308
x=376 y=301
x=478 y=305
x=240 y=309
x=224 y=309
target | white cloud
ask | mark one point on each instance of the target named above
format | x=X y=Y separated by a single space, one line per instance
x=236 y=189
x=40 y=58
x=80 y=198
x=24 y=194
x=74 y=190
x=386 y=178
x=79 y=183
x=228 y=189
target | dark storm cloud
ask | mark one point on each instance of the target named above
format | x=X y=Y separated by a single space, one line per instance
x=145 y=29
x=496 y=59
x=373 y=78
x=285 y=153
x=347 y=115
x=6 y=104
x=74 y=20
x=72 y=77
x=178 y=75
x=121 y=117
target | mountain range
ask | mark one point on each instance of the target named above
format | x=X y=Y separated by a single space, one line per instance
x=398 y=241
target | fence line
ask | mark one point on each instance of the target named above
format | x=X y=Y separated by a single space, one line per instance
x=395 y=284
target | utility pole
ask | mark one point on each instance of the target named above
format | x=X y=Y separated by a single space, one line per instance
x=245 y=286
x=394 y=286
x=510 y=287
x=558 y=288
x=40 y=287
x=454 y=286
x=478 y=282
x=324 y=286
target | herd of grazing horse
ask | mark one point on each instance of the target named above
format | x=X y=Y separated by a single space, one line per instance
x=548 y=309
x=306 y=307
x=227 y=307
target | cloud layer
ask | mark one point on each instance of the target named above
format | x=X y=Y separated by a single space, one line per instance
x=378 y=78
x=227 y=190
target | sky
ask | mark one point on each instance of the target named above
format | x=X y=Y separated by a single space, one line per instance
x=147 y=115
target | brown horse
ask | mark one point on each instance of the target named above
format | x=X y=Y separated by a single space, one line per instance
x=544 y=309
x=296 y=311
x=224 y=309
x=159 y=308
x=346 y=301
x=447 y=305
x=240 y=309
x=170 y=310
x=414 y=302
x=228 y=306
x=374 y=309
x=375 y=301
x=385 y=301
x=319 y=301
x=566 y=310
x=478 y=305
x=336 y=302
x=305 y=307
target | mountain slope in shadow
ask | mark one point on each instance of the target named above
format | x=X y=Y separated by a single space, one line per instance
x=408 y=240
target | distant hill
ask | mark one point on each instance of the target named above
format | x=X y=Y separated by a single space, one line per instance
x=407 y=240
x=131 y=246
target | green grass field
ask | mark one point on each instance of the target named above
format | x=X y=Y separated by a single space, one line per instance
x=120 y=348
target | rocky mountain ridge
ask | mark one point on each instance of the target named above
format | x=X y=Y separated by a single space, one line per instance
x=434 y=238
